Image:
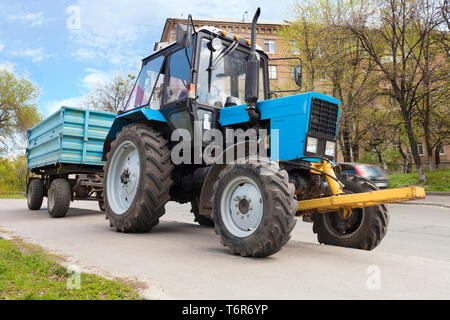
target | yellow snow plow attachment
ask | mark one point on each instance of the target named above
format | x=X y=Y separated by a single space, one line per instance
x=359 y=200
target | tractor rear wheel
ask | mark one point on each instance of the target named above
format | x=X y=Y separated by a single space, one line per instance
x=137 y=179
x=35 y=194
x=254 y=208
x=364 y=229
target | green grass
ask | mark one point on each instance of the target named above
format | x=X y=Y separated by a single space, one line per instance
x=438 y=180
x=27 y=272
x=12 y=196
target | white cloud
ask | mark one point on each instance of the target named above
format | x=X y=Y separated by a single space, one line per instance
x=8 y=66
x=34 y=19
x=126 y=31
x=36 y=55
x=94 y=79
x=52 y=106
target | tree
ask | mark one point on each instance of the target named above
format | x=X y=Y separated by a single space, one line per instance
x=397 y=44
x=334 y=54
x=304 y=35
x=112 y=95
x=18 y=110
x=435 y=91
x=13 y=175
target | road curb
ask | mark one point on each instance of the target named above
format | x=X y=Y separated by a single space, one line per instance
x=435 y=193
x=424 y=204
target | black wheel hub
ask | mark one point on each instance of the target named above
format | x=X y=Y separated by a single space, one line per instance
x=244 y=206
x=125 y=176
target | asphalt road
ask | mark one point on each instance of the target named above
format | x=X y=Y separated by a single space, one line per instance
x=181 y=260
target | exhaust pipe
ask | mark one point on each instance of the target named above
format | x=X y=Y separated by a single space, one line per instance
x=252 y=74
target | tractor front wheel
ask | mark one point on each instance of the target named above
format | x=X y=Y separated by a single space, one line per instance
x=254 y=208
x=364 y=229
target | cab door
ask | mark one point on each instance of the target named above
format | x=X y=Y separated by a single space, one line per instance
x=176 y=86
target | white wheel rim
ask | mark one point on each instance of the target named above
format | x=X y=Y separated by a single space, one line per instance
x=241 y=206
x=123 y=177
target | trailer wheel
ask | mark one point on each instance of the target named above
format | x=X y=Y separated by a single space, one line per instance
x=363 y=230
x=200 y=219
x=58 y=198
x=254 y=208
x=137 y=179
x=35 y=194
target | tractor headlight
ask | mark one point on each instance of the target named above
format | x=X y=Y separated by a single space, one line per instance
x=330 y=147
x=311 y=145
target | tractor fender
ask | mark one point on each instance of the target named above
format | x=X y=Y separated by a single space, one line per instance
x=206 y=195
x=122 y=120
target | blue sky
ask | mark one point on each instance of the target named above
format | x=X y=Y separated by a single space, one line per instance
x=66 y=56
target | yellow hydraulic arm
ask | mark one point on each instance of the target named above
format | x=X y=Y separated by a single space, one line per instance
x=359 y=200
x=345 y=202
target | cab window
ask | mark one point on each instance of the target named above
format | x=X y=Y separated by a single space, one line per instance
x=179 y=75
x=221 y=82
x=143 y=88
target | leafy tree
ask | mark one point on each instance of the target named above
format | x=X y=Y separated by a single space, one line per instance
x=13 y=175
x=393 y=33
x=335 y=55
x=18 y=110
x=112 y=95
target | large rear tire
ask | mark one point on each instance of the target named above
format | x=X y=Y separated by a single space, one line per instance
x=254 y=208
x=58 y=198
x=365 y=228
x=137 y=179
x=35 y=194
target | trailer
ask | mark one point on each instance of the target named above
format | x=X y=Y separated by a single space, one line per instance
x=64 y=159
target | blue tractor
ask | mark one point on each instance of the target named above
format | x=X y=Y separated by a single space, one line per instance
x=214 y=84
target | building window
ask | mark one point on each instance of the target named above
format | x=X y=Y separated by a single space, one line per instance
x=262 y=30
x=244 y=30
x=420 y=149
x=442 y=151
x=294 y=48
x=272 y=72
x=269 y=46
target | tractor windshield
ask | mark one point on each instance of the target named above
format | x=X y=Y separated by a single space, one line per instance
x=221 y=76
x=143 y=88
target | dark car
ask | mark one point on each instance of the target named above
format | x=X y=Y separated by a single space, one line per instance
x=369 y=171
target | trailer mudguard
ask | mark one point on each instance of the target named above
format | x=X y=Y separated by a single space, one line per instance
x=122 y=120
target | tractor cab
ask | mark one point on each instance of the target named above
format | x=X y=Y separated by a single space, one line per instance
x=197 y=76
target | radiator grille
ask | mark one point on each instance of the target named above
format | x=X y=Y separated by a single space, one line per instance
x=324 y=116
